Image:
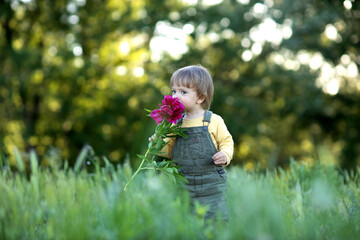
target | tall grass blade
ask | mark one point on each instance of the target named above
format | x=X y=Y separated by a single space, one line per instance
x=34 y=163
x=19 y=160
x=81 y=158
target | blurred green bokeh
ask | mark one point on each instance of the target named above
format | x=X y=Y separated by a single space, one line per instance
x=76 y=72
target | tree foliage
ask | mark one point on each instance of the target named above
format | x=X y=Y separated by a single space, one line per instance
x=77 y=72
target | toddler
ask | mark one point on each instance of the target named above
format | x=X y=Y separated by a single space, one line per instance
x=209 y=145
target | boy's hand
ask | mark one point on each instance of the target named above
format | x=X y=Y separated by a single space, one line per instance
x=220 y=158
x=152 y=138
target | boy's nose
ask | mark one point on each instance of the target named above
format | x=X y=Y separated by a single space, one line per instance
x=176 y=96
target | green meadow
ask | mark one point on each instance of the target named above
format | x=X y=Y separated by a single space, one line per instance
x=301 y=202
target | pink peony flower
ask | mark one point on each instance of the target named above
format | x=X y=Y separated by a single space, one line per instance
x=171 y=110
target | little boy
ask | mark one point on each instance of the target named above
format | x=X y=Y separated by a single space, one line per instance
x=209 y=145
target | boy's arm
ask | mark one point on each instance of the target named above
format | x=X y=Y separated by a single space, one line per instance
x=166 y=151
x=224 y=140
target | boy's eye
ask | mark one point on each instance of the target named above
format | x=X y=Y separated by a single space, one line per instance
x=182 y=92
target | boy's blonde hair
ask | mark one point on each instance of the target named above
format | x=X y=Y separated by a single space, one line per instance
x=198 y=78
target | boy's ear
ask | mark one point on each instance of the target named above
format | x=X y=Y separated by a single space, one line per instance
x=201 y=99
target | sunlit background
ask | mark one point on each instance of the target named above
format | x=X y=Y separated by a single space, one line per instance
x=173 y=40
x=286 y=75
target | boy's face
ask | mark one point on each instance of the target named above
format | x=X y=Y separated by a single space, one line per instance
x=188 y=97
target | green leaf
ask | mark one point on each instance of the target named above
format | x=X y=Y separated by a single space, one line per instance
x=153 y=164
x=160 y=144
x=181 y=177
x=175 y=170
x=161 y=164
x=177 y=166
x=141 y=156
x=173 y=178
x=153 y=151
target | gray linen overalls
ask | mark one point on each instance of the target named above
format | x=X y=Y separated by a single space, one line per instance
x=207 y=181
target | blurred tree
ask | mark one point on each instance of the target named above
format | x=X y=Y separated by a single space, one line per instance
x=77 y=71
x=72 y=72
x=331 y=28
x=270 y=61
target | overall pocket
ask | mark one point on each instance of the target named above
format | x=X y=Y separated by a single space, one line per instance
x=221 y=176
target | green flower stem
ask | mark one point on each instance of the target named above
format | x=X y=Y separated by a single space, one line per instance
x=147 y=168
x=139 y=168
x=161 y=131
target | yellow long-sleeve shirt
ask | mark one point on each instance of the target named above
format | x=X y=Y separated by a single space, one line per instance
x=219 y=133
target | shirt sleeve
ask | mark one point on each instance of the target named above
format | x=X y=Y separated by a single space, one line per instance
x=167 y=150
x=224 y=140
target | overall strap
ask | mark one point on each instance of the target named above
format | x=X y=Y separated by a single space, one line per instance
x=207 y=117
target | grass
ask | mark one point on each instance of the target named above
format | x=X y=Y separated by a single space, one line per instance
x=303 y=202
